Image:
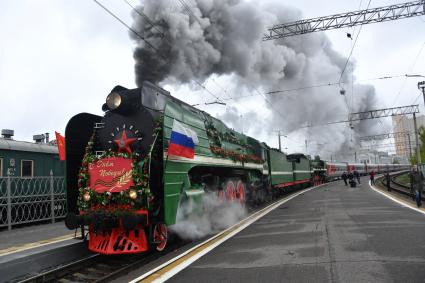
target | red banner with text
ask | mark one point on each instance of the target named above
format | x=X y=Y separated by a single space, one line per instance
x=112 y=174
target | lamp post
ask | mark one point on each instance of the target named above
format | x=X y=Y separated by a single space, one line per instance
x=421 y=85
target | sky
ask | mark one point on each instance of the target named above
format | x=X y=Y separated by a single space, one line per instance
x=59 y=58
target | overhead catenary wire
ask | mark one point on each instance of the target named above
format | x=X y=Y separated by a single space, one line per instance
x=148 y=43
x=353 y=45
x=283 y=91
x=352 y=49
x=143 y=15
x=410 y=70
x=189 y=11
x=126 y=25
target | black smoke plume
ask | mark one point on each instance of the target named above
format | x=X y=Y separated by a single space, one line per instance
x=195 y=39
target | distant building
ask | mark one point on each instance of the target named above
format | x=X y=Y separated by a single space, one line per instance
x=405 y=124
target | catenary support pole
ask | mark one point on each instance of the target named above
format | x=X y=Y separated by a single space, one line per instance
x=410 y=146
x=280 y=146
x=418 y=153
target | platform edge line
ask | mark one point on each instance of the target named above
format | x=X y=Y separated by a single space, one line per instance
x=256 y=216
x=396 y=200
x=34 y=245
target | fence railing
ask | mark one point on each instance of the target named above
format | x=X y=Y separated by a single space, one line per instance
x=27 y=200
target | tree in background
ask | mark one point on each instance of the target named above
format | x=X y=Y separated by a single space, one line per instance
x=413 y=158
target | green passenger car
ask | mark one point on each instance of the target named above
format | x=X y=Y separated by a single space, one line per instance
x=301 y=168
x=29 y=159
x=282 y=174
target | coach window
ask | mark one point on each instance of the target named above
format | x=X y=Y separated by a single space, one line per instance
x=27 y=168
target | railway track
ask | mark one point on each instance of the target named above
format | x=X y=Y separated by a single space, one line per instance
x=397 y=187
x=99 y=268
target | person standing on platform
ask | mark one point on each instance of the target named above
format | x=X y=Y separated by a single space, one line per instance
x=388 y=179
x=351 y=180
x=416 y=178
x=357 y=176
x=344 y=177
x=372 y=177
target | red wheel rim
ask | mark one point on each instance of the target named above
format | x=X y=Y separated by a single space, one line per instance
x=230 y=191
x=221 y=195
x=160 y=236
x=240 y=192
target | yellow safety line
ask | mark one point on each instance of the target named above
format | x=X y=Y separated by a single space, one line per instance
x=37 y=244
x=172 y=265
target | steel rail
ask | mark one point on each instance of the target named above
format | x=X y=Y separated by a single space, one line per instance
x=399 y=188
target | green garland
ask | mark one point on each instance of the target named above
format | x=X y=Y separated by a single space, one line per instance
x=235 y=156
x=121 y=202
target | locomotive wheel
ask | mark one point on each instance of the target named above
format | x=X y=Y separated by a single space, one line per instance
x=240 y=192
x=221 y=195
x=160 y=236
x=230 y=190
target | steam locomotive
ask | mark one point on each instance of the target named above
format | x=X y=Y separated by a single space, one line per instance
x=126 y=186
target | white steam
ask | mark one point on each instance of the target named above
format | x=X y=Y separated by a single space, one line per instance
x=210 y=216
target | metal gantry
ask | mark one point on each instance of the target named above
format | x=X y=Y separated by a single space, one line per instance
x=386 y=112
x=374 y=15
x=390 y=144
x=384 y=136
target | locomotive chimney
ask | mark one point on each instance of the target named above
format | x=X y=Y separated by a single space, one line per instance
x=7 y=134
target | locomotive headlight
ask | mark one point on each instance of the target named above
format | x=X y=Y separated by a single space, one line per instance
x=132 y=194
x=113 y=100
x=86 y=197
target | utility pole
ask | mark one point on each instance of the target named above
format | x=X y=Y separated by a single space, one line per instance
x=355 y=157
x=279 y=135
x=280 y=146
x=418 y=152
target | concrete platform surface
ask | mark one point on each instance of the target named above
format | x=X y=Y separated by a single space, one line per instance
x=32 y=233
x=329 y=234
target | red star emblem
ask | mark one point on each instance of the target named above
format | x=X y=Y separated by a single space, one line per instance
x=124 y=143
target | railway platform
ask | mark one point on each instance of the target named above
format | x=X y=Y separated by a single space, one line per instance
x=37 y=245
x=32 y=237
x=333 y=233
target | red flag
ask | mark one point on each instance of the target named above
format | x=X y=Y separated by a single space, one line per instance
x=61 y=145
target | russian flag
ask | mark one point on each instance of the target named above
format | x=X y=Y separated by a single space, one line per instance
x=182 y=141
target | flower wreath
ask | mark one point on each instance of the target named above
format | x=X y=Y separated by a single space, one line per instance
x=116 y=202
